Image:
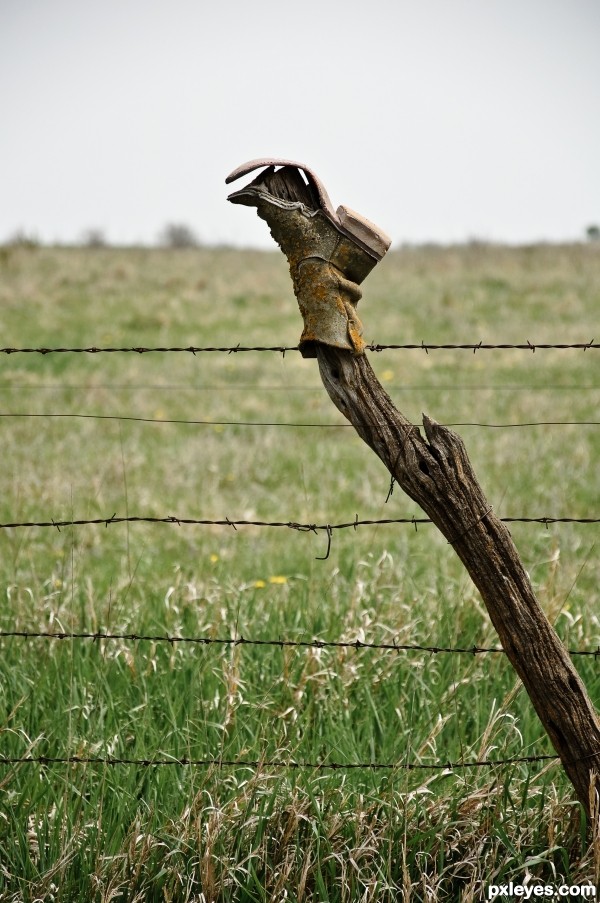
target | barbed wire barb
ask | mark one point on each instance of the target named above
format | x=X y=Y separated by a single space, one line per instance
x=329 y=535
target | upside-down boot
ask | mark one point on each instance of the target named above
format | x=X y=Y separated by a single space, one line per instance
x=330 y=252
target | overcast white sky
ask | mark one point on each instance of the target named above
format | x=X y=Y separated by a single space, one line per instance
x=437 y=119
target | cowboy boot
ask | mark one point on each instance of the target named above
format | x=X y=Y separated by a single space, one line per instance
x=329 y=252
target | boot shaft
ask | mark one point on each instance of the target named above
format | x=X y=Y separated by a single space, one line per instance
x=329 y=252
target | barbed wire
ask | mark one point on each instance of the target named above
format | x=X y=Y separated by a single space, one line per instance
x=283 y=349
x=278 y=423
x=290 y=525
x=259 y=764
x=356 y=645
x=136 y=349
x=486 y=346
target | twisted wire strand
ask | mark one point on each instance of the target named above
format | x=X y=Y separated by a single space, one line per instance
x=260 y=764
x=290 y=525
x=97 y=636
x=283 y=349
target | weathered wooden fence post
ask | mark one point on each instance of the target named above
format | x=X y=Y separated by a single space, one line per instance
x=330 y=253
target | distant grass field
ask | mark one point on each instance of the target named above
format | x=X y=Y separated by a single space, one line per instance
x=187 y=833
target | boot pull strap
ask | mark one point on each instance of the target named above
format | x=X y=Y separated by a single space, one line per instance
x=313 y=180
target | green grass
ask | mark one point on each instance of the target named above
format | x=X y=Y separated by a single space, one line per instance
x=184 y=833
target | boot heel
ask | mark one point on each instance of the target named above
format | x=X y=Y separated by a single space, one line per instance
x=373 y=239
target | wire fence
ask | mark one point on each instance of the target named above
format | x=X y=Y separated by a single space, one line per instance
x=290 y=525
x=263 y=764
x=275 y=423
x=162 y=760
x=328 y=528
x=355 y=645
x=283 y=349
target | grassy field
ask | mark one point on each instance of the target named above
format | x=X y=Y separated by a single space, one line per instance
x=263 y=832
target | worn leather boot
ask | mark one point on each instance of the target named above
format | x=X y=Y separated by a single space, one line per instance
x=329 y=251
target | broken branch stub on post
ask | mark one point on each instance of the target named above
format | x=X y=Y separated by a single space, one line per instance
x=330 y=253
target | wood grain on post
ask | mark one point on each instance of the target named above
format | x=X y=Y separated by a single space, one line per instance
x=437 y=474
